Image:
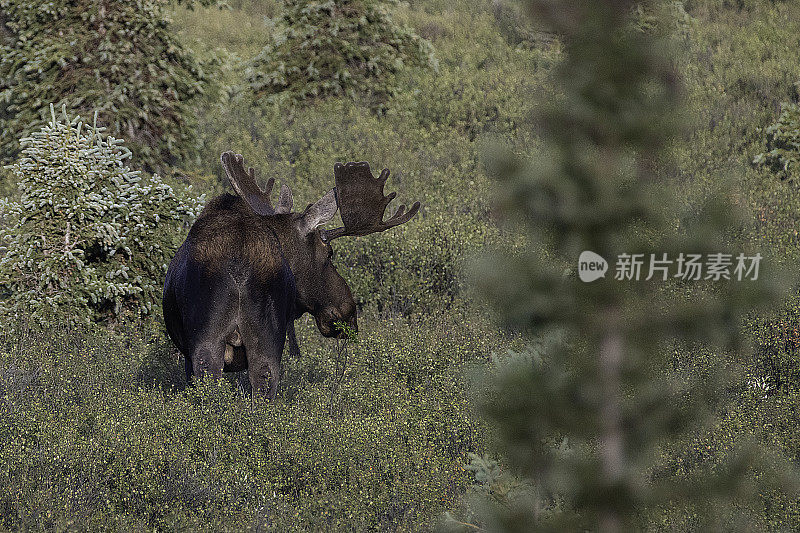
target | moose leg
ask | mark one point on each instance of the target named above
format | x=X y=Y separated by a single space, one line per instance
x=275 y=377
x=264 y=364
x=294 y=348
x=209 y=357
x=265 y=374
x=262 y=338
x=188 y=367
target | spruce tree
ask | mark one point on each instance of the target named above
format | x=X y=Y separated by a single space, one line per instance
x=89 y=238
x=585 y=415
x=325 y=48
x=117 y=57
x=782 y=153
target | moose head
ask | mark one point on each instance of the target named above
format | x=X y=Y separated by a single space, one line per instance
x=358 y=195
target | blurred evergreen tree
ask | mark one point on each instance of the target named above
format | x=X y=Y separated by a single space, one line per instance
x=585 y=417
x=89 y=238
x=117 y=57
x=325 y=48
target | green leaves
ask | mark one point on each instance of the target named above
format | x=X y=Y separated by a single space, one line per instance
x=783 y=143
x=334 y=48
x=98 y=431
x=119 y=58
x=89 y=237
x=600 y=184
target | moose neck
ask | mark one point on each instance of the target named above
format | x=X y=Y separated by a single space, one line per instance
x=289 y=240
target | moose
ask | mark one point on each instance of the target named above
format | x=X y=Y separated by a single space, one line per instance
x=248 y=270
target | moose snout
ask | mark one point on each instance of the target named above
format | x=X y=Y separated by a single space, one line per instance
x=330 y=316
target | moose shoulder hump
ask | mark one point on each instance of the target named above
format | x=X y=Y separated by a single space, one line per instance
x=226 y=230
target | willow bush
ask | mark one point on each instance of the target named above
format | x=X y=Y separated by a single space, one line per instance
x=94 y=436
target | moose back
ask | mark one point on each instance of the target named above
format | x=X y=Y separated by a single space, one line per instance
x=247 y=270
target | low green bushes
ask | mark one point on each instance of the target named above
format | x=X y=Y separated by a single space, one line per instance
x=98 y=432
x=783 y=143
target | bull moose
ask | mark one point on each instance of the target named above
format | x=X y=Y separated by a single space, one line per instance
x=247 y=270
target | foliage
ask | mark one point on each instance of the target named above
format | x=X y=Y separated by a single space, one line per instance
x=595 y=186
x=417 y=321
x=117 y=57
x=325 y=48
x=89 y=237
x=517 y=28
x=738 y=65
x=95 y=436
x=783 y=142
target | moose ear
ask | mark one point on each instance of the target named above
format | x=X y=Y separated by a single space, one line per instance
x=285 y=200
x=317 y=214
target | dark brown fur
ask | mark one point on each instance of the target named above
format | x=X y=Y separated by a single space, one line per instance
x=247 y=270
x=226 y=228
x=243 y=278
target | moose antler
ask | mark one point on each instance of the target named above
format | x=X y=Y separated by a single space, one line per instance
x=244 y=183
x=362 y=203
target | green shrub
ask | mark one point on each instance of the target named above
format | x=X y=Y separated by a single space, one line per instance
x=118 y=57
x=599 y=393
x=516 y=28
x=336 y=47
x=89 y=237
x=783 y=143
x=94 y=434
x=413 y=271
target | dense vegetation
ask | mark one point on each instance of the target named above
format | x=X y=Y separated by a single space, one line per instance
x=583 y=417
x=89 y=238
x=338 y=47
x=115 y=57
x=98 y=432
